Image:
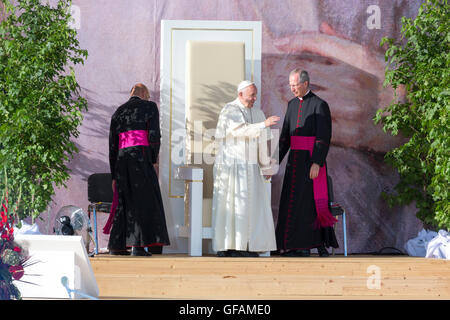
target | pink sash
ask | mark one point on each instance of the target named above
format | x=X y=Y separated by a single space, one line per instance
x=126 y=139
x=115 y=203
x=320 y=185
x=133 y=138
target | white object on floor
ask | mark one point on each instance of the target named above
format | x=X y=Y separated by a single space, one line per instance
x=439 y=246
x=417 y=247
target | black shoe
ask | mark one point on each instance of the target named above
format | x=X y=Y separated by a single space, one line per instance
x=322 y=251
x=275 y=253
x=303 y=253
x=119 y=252
x=290 y=253
x=155 y=249
x=296 y=253
x=139 y=251
x=223 y=254
x=248 y=254
x=234 y=253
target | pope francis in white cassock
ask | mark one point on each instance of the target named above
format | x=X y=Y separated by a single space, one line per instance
x=241 y=209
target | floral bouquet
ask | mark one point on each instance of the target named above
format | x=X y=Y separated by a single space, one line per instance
x=13 y=259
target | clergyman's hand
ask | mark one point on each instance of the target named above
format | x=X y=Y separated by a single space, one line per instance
x=114 y=185
x=314 y=171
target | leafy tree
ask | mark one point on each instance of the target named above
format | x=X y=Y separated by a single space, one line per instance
x=419 y=62
x=40 y=105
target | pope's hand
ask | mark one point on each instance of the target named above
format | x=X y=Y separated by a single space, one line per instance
x=270 y=121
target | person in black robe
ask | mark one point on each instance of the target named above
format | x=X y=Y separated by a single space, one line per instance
x=298 y=227
x=134 y=142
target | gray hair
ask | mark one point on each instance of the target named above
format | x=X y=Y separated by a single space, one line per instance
x=303 y=75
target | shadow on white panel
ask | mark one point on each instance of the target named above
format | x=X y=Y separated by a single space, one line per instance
x=53 y=258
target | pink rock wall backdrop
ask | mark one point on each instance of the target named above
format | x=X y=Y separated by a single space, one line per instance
x=336 y=41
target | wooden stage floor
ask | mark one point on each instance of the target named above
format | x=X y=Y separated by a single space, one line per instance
x=178 y=276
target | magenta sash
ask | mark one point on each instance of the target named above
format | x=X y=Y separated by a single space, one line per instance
x=320 y=185
x=112 y=213
x=133 y=138
x=126 y=139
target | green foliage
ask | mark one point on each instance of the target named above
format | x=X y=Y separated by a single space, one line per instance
x=419 y=62
x=40 y=105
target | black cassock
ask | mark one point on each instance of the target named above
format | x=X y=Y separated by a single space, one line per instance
x=295 y=227
x=139 y=219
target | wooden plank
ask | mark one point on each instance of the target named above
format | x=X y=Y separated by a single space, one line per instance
x=182 y=277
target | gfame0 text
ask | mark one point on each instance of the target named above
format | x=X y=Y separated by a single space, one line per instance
x=246 y=309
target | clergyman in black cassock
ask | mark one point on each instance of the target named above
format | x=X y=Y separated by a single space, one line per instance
x=307 y=117
x=134 y=142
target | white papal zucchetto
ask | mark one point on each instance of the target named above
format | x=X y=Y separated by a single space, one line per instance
x=244 y=84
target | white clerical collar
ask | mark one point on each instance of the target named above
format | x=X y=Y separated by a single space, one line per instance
x=301 y=99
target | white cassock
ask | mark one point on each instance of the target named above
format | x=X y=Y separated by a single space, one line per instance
x=241 y=208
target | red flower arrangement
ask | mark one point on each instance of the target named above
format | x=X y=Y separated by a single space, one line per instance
x=12 y=258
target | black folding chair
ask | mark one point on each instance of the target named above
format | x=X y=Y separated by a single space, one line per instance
x=100 y=196
x=337 y=210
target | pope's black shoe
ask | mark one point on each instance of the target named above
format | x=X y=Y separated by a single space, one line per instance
x=248 y=254
x=223 y=254
x=139 y=251
x=234 y=253
x=322 y=251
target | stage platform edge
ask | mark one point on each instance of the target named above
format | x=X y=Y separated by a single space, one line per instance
x=178 y=276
